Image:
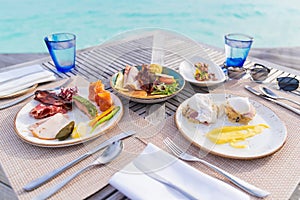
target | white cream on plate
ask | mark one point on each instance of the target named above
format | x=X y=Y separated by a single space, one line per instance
x=207 y=110
x=240 y=104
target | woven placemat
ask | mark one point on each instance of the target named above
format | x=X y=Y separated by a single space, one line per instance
x=22 y=162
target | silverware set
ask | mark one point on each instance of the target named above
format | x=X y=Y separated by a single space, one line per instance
x=109 y=154
x=114 y=147
x=42 y=180
x=287 y=106
x=269 y=93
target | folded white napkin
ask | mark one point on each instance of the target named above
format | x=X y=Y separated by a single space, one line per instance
x=133 y=183
x=20 y=78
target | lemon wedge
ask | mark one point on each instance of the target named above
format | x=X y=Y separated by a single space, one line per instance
x=80 y=130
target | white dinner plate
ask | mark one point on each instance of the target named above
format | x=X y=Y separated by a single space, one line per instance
x=23 y=120
x=20 y=92
x=187 y=70
x=263 y=144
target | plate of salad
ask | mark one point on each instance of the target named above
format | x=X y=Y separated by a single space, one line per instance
x=148 y=83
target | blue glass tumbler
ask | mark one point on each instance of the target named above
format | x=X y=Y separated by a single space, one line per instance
x=237 y=47
x=62 y=48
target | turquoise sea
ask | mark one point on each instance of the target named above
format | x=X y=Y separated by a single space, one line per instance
x=23 y=24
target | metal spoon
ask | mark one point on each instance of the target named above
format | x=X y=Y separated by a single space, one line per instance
x=110 y=153
x=269 y=93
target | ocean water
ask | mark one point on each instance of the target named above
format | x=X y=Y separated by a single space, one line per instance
x=23 y=24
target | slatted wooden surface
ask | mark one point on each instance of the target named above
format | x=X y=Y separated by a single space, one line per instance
x=103 y=61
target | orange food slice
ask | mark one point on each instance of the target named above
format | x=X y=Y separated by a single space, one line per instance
x=104 y=100
x=99 y=116
x=99 y=87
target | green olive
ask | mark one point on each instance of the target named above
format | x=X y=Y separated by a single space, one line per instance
x=66 y=131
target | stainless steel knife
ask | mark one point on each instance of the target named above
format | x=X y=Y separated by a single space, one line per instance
x=146 y=163
x=40 y=181
x=250 y=89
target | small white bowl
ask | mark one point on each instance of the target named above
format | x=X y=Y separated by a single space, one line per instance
x=187 y=70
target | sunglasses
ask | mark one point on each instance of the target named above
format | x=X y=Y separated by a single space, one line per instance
x=258 y=72
x=288 y=83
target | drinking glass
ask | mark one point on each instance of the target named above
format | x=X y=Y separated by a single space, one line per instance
x=237 y=47
x=62 y=48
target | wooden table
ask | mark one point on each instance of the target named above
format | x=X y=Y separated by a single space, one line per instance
x=167 y=48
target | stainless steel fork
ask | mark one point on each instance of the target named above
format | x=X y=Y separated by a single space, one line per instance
x=251 y=189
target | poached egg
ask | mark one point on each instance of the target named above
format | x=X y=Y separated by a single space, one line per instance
x=207 y=110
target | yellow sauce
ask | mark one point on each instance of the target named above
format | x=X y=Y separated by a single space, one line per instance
x=235 y=134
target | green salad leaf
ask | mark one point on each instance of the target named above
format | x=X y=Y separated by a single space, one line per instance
x=165 y=89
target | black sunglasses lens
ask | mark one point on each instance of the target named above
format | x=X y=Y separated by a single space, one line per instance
x=259 y=72
x=288 y=83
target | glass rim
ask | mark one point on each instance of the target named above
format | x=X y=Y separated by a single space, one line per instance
x=246 y=38
x=64 y=40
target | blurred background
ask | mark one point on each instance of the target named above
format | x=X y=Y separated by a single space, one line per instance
x=24 y=24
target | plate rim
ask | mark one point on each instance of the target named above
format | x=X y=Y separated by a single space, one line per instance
x=20 y=92
x=71 y=143
x=148 y=100
x=210 y=151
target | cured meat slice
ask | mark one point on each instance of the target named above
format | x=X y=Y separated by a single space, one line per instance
x=67 y=93
x=42 y=111
x=51 y=98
